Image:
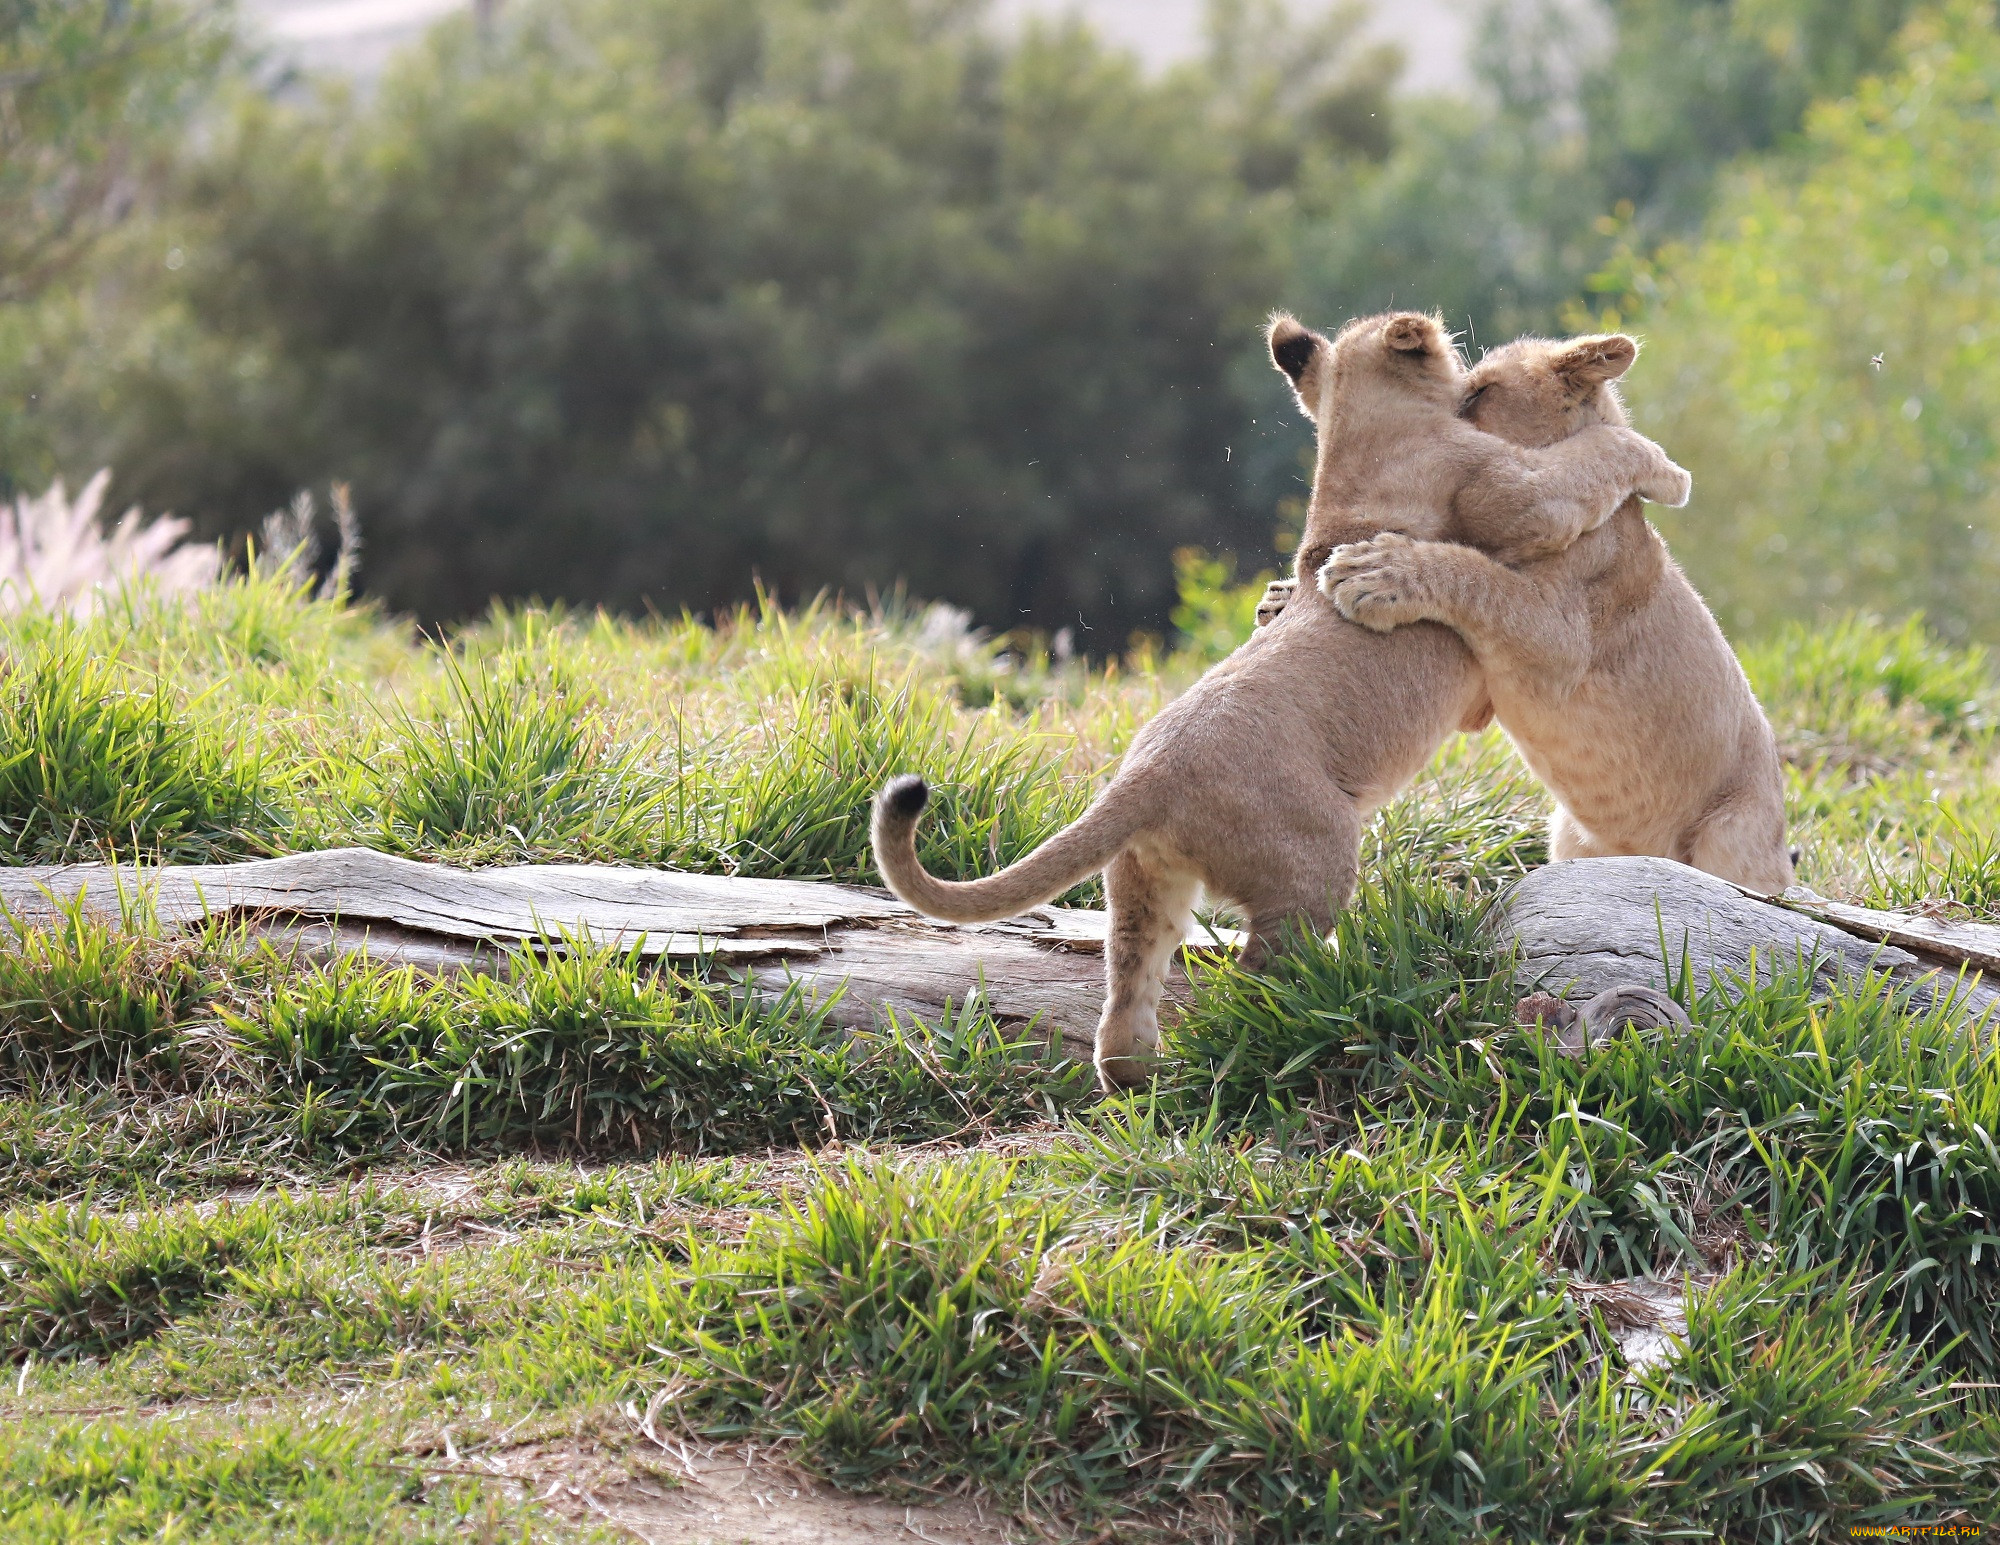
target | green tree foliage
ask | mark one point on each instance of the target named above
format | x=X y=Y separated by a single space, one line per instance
x=1689 y=85
x=1825 y=477
x=632 y=302
x=93 y=97
x=636 y=303
x=1300 y=99
x=1596 y=126
x=87 y=90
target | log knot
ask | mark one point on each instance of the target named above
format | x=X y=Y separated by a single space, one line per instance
x=1578 y=1027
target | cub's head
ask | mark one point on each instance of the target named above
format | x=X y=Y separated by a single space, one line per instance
x=1394 y=358
x=1536 y=391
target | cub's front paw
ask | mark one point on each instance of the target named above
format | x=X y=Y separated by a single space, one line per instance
x=1359 y=557
x=1276 y=594
x=1372 y=582
x=1670 y=486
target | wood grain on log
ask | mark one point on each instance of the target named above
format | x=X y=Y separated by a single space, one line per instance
x=1947 y=943
x=868 y=947
x=1581 y=928
x=1589 y=925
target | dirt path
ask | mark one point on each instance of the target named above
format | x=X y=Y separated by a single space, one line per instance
x=733 y=1502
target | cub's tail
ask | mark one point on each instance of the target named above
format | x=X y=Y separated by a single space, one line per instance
x=1072 y=854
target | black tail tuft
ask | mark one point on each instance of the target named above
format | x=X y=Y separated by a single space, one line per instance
x=906 y=796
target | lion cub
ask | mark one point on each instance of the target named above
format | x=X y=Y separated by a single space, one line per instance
x=1604 y=666
x=1256 y=782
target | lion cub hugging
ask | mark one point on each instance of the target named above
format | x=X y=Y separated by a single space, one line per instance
x=1341 y=716
x=1604 y=666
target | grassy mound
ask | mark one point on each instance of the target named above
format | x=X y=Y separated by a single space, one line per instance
x=363 y=1235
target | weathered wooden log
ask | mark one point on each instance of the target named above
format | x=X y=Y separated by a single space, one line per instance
x=1585 y=927
x=1582 y=930
x=876 y=953
x=1943 y=942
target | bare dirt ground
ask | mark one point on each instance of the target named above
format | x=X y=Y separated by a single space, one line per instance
x=739 y=1500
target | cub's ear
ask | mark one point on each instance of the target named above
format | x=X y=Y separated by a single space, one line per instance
x=1594 y=360
x=1411 y=332
x=1299 y=353
x=1292 y=345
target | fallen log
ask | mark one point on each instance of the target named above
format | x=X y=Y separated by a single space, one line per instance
x=1942 y=941
x=1593 y=930
x=864 y=945
x=1589 y=926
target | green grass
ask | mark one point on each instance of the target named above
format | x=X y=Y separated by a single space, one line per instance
x=802 y=809
x=519 y=764
x=81 y=1285
x=275 y=1240
x=97 y=761
x=570 y=1047
x=234 y=1481
x=592 y=1049
x=81 y=1001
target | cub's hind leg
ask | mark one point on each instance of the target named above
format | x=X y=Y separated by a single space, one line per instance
x=1743 y=841
x=1151 y=903
x=1301 y=887
x=1570 y=838
x=1270 y=932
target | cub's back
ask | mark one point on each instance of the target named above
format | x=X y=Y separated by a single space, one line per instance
x=1368 y=709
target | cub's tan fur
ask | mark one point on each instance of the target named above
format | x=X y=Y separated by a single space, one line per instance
x=1603 y=664
x=1339 y=717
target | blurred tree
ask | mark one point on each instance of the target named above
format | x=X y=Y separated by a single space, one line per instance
x=1828 y=357
x=87 y=89
x=1689 y=85
x=93 y=97
x=1299 y=98
x=1599 y=126
x=629 y=302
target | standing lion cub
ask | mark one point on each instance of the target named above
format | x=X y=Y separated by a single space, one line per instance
x=1604 y=666
x=1255 y=784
